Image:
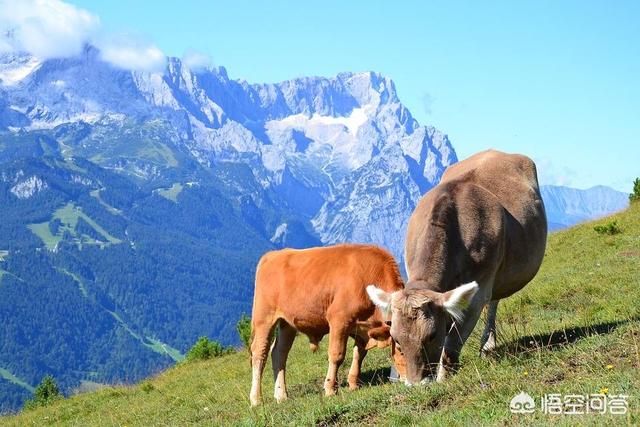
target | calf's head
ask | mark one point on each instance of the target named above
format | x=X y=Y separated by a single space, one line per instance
x=419 y=320
x=381 y=337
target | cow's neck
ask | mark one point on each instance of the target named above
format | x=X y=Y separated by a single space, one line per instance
x=442 y=268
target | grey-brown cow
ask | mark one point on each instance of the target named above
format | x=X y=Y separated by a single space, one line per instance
x=483 y=225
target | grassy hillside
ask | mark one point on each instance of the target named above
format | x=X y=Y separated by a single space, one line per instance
x=574 y=330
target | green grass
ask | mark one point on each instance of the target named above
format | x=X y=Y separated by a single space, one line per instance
x=12 y=378
x=172 y=192
x=153 y=344
x=131 y=143
x=68 y=216
x=574 y=330
x=159 y=153
x=162 y=348
x=96 y=194
x=44 y=233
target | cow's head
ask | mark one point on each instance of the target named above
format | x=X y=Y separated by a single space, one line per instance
x=419 y=319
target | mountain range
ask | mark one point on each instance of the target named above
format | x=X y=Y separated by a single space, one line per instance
x=136 y=205
x=566 y=206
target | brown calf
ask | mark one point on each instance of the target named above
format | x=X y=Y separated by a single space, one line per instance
x=318 y=291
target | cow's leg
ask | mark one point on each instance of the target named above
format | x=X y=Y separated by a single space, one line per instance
x=459 y=333
x=488 y=341
x=359 y=352
x=338 y=335
x=286 y=335
x=259 y=352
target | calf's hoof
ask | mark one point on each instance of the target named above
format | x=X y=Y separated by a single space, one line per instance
x=280 y=398
x=329 y=391
x=353 y=384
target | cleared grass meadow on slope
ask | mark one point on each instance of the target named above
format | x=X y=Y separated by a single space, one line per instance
x=574 y=330
x=69 y=216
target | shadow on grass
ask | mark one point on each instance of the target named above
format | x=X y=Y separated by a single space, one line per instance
x=374 y=376
x=371 y=377
x=558 y=339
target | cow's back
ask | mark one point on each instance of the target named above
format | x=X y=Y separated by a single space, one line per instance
x=512 y=179
x=498 y=202
x=303 y=286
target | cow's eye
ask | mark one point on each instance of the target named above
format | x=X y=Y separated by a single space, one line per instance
x=388 y=323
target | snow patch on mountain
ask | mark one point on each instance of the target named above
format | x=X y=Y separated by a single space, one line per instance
x=353 y=122
x=14 y=71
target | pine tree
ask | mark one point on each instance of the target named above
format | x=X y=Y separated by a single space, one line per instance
x=635 y=195
x=46 y=392
x=244 y=329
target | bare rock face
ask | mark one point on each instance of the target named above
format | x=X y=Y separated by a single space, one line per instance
x=343 y=154
x=27 y=188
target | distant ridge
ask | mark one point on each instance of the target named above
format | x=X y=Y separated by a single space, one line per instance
x=567 y=206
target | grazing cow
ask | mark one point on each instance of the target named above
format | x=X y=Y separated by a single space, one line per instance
x=483 y=225
x=318 y=291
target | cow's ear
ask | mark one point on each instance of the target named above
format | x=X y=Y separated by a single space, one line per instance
x=381 y=333
x=379 y=297
x=456 y=300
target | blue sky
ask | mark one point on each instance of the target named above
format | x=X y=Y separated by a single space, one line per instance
x=556 y=80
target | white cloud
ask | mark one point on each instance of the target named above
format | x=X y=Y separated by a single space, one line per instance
x=196 y=61
x=549 y=173
x=130 y=53
x=55 y=29
x=45 y=28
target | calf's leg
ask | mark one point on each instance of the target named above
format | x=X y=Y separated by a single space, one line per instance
x=259 y=352
x=488 y=341
x=337 y=347
x=359 y=352
x=279 y=354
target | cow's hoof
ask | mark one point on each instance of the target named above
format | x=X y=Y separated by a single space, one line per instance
x=281 y=398
x=487 y=353
x=255 y=402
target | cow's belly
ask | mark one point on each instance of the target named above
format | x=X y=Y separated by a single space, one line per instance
x=501 y=291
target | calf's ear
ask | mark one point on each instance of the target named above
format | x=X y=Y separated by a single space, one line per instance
x=456 y=300
x=381 y=333
x=380 y=298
